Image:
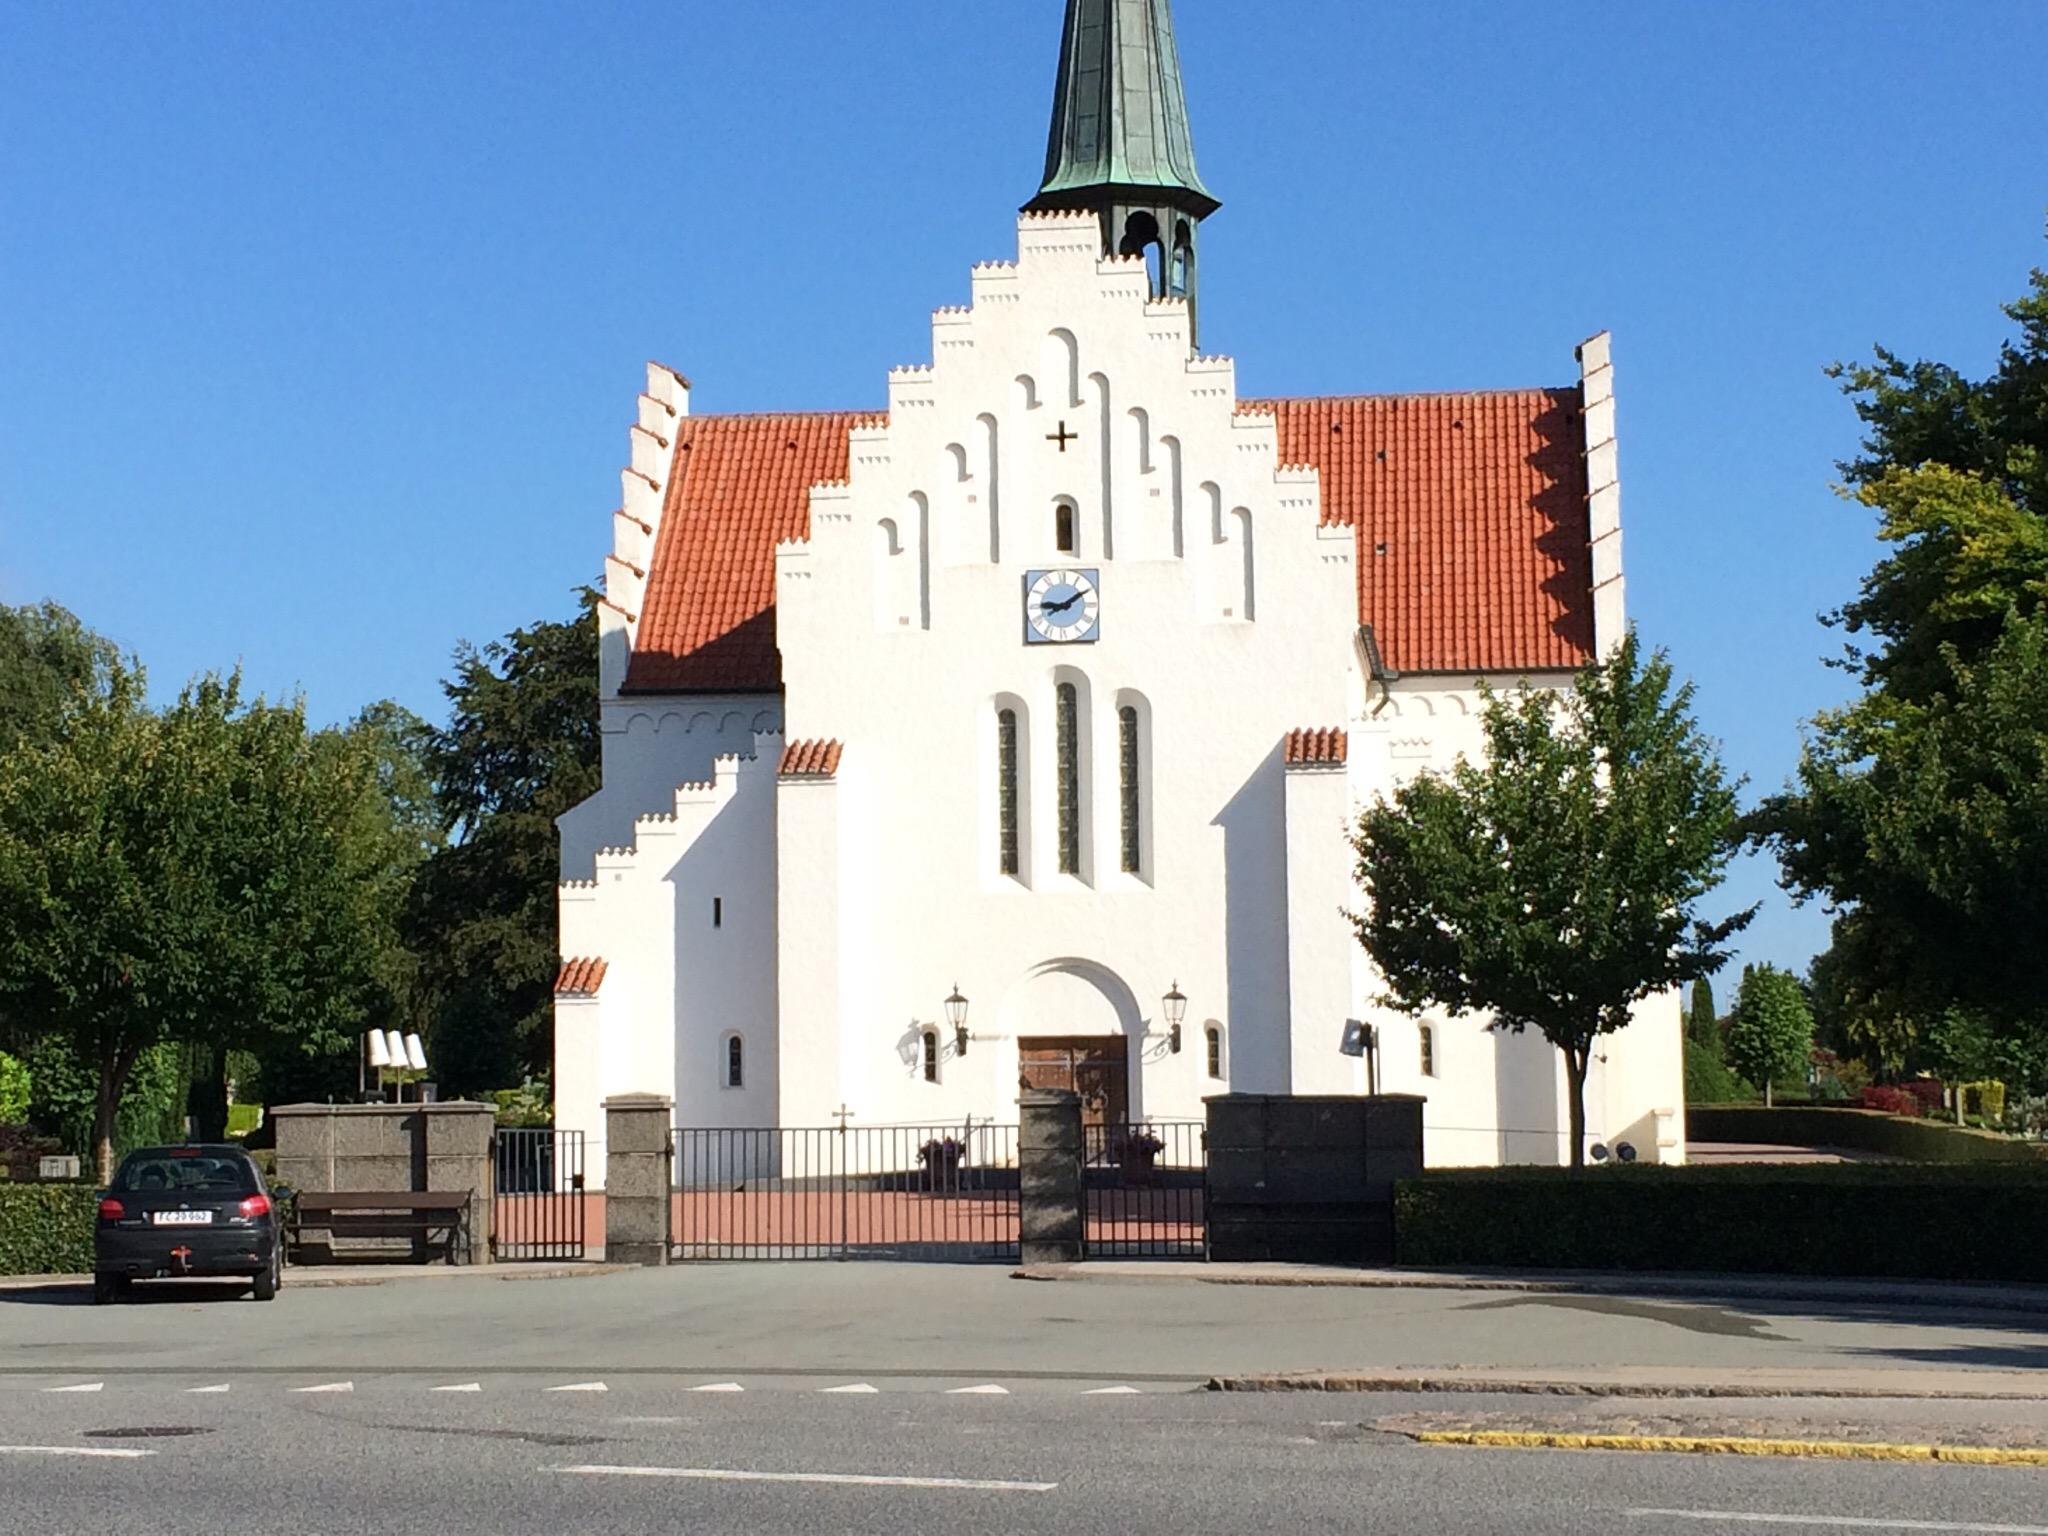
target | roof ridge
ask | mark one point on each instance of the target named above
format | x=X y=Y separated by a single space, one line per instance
x=1412 y=394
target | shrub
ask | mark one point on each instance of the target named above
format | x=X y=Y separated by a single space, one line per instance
x=1985 y=1100
x=1927 y=1092
x=22 y=1150
x=14 y=1090
x=1892 y=1101
x=1949 y=1223
x=1710 y=1080
x=46 y=1229
x=244 y=1118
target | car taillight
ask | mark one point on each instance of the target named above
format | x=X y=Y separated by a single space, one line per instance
x=255 y=1205
x=112 y=1209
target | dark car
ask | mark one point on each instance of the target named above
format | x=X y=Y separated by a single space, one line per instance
x=173 y=1212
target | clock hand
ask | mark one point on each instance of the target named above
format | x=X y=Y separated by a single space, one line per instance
x=1062 y=605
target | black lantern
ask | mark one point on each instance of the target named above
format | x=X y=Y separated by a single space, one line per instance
x=1174 y=1007
x=956 y=1015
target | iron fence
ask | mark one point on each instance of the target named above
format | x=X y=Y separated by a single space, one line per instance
x=537 y=1205
x=847 y=1192
x=1145 y=1185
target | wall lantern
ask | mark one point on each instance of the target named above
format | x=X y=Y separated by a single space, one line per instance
x=1174 y=1006
x=956 y=1015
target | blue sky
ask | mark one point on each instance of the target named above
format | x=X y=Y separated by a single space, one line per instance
x=320 y=326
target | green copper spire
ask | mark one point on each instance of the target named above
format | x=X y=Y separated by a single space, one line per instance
x=1119 y=112
x=1120 y=146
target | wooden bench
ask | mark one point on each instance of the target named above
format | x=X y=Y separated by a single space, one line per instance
x=417 y=1214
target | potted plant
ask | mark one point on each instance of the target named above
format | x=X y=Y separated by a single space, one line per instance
x=940 y=1159
x=1138 y=1151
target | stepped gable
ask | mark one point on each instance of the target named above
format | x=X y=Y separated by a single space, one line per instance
x=581 y=976
x=1324 y=747
x=740 y=485
x=1470 y=512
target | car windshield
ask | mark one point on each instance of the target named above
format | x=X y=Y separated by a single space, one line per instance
x=185 y=1171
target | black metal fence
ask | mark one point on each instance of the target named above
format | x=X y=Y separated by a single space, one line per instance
x=847 y=1192
x=1145 y=1185
x=537 y=1205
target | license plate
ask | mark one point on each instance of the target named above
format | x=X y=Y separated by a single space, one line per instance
x=181 y=1218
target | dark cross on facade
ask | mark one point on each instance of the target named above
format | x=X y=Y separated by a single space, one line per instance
x=1062 y=437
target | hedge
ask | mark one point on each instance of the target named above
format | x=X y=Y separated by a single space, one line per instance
x=1937 y=1223
x=1862 y=1130
x=46 y=1229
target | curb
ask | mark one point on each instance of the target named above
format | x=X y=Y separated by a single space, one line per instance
x=311 y=1278
x=1900 y=1387
x=1730 y=1445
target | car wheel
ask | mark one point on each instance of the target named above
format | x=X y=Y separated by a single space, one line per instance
x=109 y=1288
x=265 y=1285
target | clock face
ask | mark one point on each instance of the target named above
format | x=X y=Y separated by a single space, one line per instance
x=1061 y=606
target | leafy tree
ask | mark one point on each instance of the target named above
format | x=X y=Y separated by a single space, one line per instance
x=15 y=1090
x=183 y=876
x=1701 y=1021
x=1921 y=809
x=47 y=658
x=520 y=748
x=65 y=1093
x=1770 y=1035
x=1555 y=884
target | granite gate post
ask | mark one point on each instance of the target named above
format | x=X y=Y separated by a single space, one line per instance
x=1051 y=1202
x=1309 y=1178
x=637 y=1153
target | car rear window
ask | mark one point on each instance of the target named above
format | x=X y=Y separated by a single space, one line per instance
x=185 y=1171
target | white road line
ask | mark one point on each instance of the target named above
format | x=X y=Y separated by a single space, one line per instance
x=854 y=1479
x=466 y=1386
x=329 y=1386
x=83 y=1386
x=581 y=1386
x=1108 y=1391
x=109 y=1452
x=989 y=1389
x=719 y=1386
x=1858 y=1522
x=218 y=1387
x=852 y=1386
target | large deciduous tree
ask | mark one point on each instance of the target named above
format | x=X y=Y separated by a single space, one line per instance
x=1556 y=883
x=179 y=875
x=520 y=748
x=1921 y=808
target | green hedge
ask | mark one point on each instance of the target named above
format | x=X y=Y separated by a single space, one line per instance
x=46 y=1229
x=1940 y=1223
x=1862 y=1130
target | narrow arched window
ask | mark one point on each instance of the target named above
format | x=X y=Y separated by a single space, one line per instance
x=1127 y=787
x=1214 y=1034
x=1063 y=527
x=735 y=1062
x=1006 y=790
x=931 y=1055
x=1428 y=1039
x=1067 y=745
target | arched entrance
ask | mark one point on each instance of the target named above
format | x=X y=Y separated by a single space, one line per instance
x=1073 y=1021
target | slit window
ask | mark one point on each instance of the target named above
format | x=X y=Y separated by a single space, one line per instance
x=1063 y=527
x=1127 y=786
x=1006 y=791
x=1428 y=1042
x=1215 y=1046
x=717 y=911
x=1068 y=748
x=735 y=1062
x=931 y=1055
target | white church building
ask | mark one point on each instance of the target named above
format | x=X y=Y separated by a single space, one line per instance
x=1013 y=732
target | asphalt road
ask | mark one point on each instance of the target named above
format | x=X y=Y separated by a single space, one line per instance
x=393 y=1456
x=958 y=1324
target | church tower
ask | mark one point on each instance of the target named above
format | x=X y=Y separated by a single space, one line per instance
x=1120 y=146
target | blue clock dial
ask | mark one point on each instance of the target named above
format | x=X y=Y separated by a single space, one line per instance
x=1062 y=605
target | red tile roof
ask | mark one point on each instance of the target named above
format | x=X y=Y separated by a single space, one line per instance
x=809 y=760
x=584 y=976
x=739 y=486
x=1328 y=745
x=1470 y=513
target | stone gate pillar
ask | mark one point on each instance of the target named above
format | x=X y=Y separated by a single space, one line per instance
x=637 y=1201
x=1052 y=1205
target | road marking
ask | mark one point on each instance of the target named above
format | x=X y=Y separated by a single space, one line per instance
x=1108 y=1391
x=719 y=1386
x=220 y=1387
x=852 y=1479
x=581 y=1386
x=467 y=1386
x=110 y=1452
x=990 y=1389
x=855 y=1386
x=1758 y=1517
x=329 y=1386
x=83 y=1386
